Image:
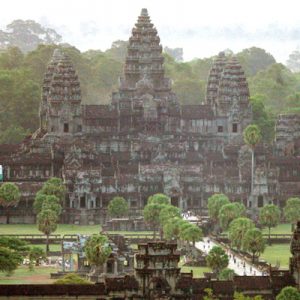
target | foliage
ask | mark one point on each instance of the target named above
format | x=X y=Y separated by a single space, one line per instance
x=35 y=255
x=288 y=293
x=54 y=186
x=217 y=259
x=191 y=234
x=227 y=274
x=293 y=63
x=214 y=204
x=27 y=35
x=97 y=249
x=240 y=296
x=254 y=60
x=237 y=231
x=47 y=223
x=118 y=207
x=71 y=278
x=254 y=242
x=252 y=135
x=43 y=201
x=292 y=210
x=159 y=199
x=11 y=253
x=168 y=212
x=9 y=194
x=263 y=118
x=171 y=228
x=229 y=212
x=209 y=295
x=269 y=216
x=151 y=215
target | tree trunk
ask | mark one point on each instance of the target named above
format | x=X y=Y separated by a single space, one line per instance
x=269 y=235
x=252 y=170
x=253 y=257
x=7 y=216
x=47 y=244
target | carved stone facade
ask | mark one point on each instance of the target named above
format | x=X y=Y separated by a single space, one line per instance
x=145 y=142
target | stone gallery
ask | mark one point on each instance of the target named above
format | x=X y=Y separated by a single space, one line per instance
x=145 y=142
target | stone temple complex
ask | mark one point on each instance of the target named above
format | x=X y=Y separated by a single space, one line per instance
x=145 y=142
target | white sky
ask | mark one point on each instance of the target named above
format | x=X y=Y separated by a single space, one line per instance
x=201 y=27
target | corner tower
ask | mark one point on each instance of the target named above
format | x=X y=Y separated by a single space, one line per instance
x=61 y=98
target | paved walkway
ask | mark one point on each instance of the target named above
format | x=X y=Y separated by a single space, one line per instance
x=237 y=264
x=240 y=266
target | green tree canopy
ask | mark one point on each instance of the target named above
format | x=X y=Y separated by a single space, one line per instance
x=159 y=199
x=151 y=214
x=227 y=274
x=118 y=207
x=97 y=249
x=71 y=278
x=254 y=242
x=229 y=212
x=54 y=186
x=43 y=201
x=288 y=293
x=35 y=255
x=191 y=234
x=214 y=204
x=171 y=228
x=269 y=216
x=291 y=210
x=217 y=259
x=9 y=194
x=252 y=135
x=237 y=231
x=12 y=251
x=168 y=212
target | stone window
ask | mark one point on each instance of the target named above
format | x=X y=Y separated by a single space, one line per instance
x=220 y=128
x=79 y=128
x=66 y=127
x=235 y=127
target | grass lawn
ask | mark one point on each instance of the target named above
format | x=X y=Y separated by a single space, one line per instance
x=52 y=247
x=23 y=276
x=280 y=229
x=61 y=229
x=277 y=253
x=197 y=271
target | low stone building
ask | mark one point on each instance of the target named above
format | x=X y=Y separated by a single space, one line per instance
x=145 y=142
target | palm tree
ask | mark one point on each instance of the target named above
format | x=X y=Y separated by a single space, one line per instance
x=252 y=137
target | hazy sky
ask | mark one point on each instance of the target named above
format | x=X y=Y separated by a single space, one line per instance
x=201 y=27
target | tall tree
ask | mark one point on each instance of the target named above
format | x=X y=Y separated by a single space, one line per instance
x=97 y=250
x=118 y=207
x=217 y=259
x=168 y=212
x=192 y=234
x=254 y=242
x=47 y=223
x=151 y=215
x=237 y=231
x=54 y=186
x=269 y=216
x=229 y=212
x=9 y=196
x=214 y=204
x=291 y=210
x=227 y=274
x=252 y=137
